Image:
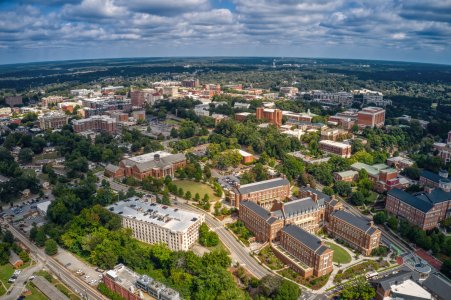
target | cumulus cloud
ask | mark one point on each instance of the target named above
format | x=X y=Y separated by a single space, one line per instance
x=250 y=27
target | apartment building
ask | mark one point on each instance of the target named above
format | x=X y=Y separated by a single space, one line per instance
x=333 y=98
x=154 y=223
x=138 y=98
x=53 y=120
x=426 y=210
x=272 y=115
x=265 y=193
x=139 y=115
x=157 y=164
x=264 y=224
x=191 y=83
x=100 y=123
x=371 y=117
x=360 y=234
x=337 y=148
x=444 y=149
x=13 y=100
x=303 y=252
x=130 y=285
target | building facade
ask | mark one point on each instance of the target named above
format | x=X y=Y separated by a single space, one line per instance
x=264 y=193
x=307 y=254
x=95 y=123
x=337 y=148
x=371 y=117
x=272 y=115
x=13 y=100
x=360 y=234
x=154 y=223
x=53 y=120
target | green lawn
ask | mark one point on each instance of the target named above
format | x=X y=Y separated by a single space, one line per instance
x=267 y=256
x=340 y=255
x=35 y=293
x=196 y=187
x=372 y=198
x=50 y=155
x=5 y=273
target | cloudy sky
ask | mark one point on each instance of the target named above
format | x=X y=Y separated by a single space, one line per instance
x=408 y=30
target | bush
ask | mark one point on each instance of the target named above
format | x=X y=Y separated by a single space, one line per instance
x=207 y=237
x=51 y=248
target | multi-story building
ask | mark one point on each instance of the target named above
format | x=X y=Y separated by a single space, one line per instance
x=170 y=91
x=444 y=149
x=346 y=176
x=400 y=162
x=303 y=252
x=129 y=285
x=242 y=116
x=344 y=120
x=371 y=117
x=299 y=117
x=334 y=134
x=139 y=115
x=289 y=91
x=191 y=83
x=272 y=115
x=359 y=233
x=432 y=180
x=310 y=213
x=154 y=223
x=13 y=100
x=51 y=100
x=95 y=123
x=337 y=98
x=426 y=210
x=53 y=120
x=264 y=193
x=383 y=177
x=337 y=148
x=157 y=164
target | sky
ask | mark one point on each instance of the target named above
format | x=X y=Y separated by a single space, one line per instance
x=404 y=30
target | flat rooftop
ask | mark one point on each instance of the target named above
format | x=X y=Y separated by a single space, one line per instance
x=411 y=289
x=172 y=218
x=148 y=156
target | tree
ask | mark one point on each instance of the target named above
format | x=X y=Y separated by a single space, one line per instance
x=392 y=222
x=358 y=289
x=287 y=291
x=292 y=167
x=197 y=197
x=207 y=237
x=51 y=248
x=8 y=237
x=188 y=195
x=357 y=198
x=380 y=217
x=411 y=172
x=343 y=188
x=26 y=155
x=446 y=267
x=328 y=190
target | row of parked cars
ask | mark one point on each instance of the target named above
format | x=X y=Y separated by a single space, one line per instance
x=13 y=277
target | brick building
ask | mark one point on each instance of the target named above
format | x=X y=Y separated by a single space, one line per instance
x=432 y=180
x=247 y=157
x=371 y=117
x=334 y=134
x=426 y=210
x=95 y=123
x=129 y=285
x=139 y=98
x=360 y=234
x=272 y=115
x=303 y=252
x=157 y=164
x=53 y=120
x=264 y=193
x=337 y=148
x=13 y=100
x=346 y=176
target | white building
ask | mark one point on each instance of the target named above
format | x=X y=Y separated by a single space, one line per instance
x=155 y=223
x=333 y=98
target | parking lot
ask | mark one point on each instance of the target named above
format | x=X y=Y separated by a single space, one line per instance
x=25 y=214
x=87 y=273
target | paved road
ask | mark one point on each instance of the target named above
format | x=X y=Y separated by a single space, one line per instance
x=17 y=288
x=72 y=281
x=238 y=252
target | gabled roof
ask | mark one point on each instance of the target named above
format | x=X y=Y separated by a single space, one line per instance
x=358 y=222
x=257 y=209
x=433 y=176
x=112 y=168
x=263 y=185
x=299 y=206
x=322 y=197
x=310 y=240
x=416 y=202
x=438 y=196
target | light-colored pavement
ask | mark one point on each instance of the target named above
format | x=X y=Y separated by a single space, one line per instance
x=18 y=287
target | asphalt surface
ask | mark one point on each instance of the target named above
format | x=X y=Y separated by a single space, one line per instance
x=238 y=252
x=72 y=281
